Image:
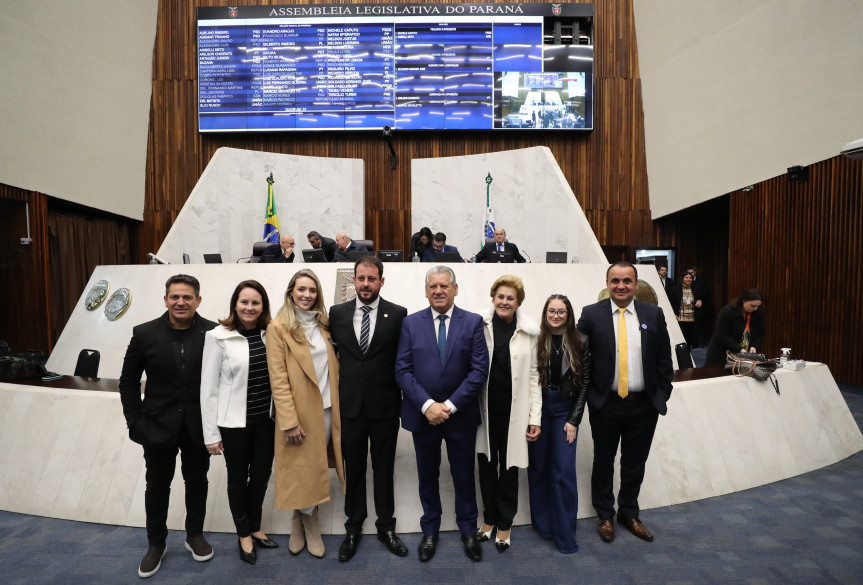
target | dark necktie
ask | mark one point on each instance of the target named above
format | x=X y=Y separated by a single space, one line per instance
x=441 y=337
x=364 y=329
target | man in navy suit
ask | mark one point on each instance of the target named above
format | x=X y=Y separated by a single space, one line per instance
x=630 y=382
x=438 y=245
x=442 y=363
x=366 y=331
x=499 y=245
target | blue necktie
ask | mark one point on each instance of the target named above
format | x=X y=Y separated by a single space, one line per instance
x=441 y=337
x=364 y=329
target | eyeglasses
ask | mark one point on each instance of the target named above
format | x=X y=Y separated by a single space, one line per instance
x=558 y=312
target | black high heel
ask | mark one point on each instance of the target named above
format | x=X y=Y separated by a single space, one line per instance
x=265 y=542
x=248 y=557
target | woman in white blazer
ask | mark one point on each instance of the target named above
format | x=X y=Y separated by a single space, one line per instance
x=235 y=410
x=510 y=407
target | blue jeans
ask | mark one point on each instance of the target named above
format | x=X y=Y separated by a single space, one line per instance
x=552 y=478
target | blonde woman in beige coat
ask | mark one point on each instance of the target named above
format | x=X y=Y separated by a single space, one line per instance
x=510 y=406
x=304 y=377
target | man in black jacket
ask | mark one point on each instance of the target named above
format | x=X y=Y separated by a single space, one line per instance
x=328 y=245
x=169 y=350
x=366 y=332
x=499 y=245
x=281 y=252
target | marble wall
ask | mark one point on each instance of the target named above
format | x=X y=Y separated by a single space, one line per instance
x=226 y=210
x=530 y=198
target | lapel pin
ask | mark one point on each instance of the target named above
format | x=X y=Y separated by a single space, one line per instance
x=644 y=326
x=385 y=315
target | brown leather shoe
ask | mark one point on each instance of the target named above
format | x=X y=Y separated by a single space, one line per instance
x=606 y=530
x=636 y=527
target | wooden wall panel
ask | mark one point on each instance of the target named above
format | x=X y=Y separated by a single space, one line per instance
x=800 y=244
x=606 y=168
x=25 y=310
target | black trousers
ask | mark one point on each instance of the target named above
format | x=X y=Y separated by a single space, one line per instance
x=499 y=489
x=629 y=422
x=249 y=462
x=161 y=464
x=361 y=436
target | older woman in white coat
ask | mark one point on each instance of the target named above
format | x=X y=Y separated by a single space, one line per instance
x=510 y=405
x=235 y=409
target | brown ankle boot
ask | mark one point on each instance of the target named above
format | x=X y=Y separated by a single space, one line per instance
x=298 y=537
x=313 y=535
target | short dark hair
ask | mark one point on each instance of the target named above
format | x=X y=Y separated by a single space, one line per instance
x=440 y=237
x=622 y=264
x=313 y=234
x=184 y=279
x=661 y=266
x=233 y=319
x=370 y=260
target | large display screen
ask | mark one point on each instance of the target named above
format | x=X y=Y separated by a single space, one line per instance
x=405 y=66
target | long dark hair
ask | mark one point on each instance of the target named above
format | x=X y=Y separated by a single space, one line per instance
x=425 y=231
x=233 y=321
x=572 y=345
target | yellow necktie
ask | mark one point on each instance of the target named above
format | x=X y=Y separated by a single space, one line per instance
x=622 y=357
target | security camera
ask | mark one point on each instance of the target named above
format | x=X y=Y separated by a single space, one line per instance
x=388 y=131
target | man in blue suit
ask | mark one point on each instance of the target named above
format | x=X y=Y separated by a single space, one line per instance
x=441 y=364
x=630 y=382
x=438 y=245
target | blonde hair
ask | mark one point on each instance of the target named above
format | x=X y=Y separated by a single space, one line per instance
x=288 y=315
x=512 y=282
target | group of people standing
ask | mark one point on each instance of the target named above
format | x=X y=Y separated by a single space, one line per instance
x=312 y=390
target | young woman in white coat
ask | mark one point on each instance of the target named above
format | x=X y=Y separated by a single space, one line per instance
x=510 y=406
x=235 y=410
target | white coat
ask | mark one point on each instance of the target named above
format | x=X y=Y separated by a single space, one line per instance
x=224 y=381
x=526 y=406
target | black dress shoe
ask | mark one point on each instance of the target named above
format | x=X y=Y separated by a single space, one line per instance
x=471 y=547
x=265 y=542
x=393 y=542
x=349 y=546
x=427 y=547
x=247 y=557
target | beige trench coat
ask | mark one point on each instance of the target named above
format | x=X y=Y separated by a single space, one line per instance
x=302 y=472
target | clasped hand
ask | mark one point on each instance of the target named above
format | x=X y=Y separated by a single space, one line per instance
x=437 y=413
x=295 y=435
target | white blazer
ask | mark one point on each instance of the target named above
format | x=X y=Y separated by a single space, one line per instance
x=526 y=408
x=224 y=381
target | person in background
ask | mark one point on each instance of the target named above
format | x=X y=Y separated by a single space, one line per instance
x=168 y=420
x=510 y=405
x=499 y=245
x=346 y=246
x=664 y=280
x=281 y=252
x=304 y=377
x=439 y=245
x=328 y=245
x=682 y=300
x=420 y=242
x=739 y=328
x=630 y=384
x=563 y=363
x=235 y=410
x=699 y=292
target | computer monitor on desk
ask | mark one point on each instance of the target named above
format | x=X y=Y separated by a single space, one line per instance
x=555 y=257
x=212 y=258
x=390 y=255
x=314 y=255
x=447 y=257
x=500 y=257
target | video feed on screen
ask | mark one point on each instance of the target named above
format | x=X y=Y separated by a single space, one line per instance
x=542 y=100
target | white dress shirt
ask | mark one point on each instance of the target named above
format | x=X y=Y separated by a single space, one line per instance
x=373 y=318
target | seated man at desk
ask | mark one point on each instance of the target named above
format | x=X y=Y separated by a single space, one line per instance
x=281 y=252
x=439 y=246
x=346 y=246
x=499 y=245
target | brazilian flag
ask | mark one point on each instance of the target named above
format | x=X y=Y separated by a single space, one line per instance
x=271 y=222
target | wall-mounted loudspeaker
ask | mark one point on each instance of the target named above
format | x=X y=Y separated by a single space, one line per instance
x=798 y=174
